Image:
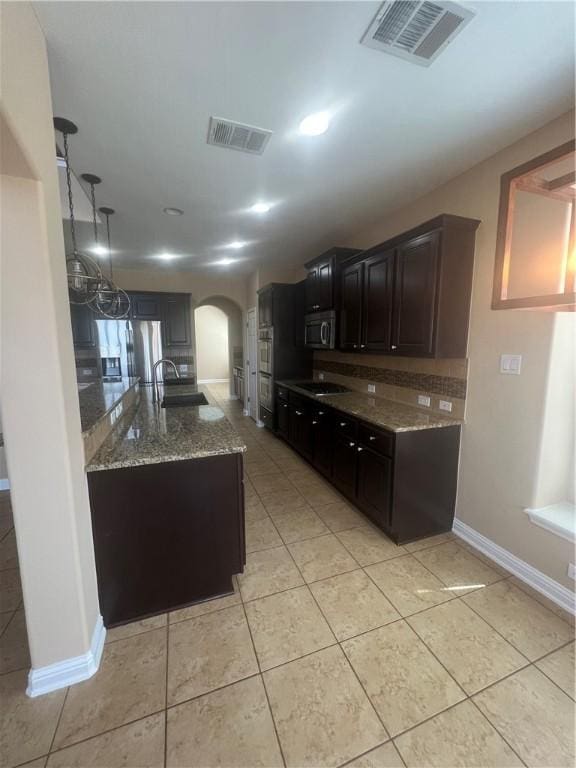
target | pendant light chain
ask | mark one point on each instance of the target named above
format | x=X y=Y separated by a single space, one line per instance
x=93 y=200
x=109 y=247
x=70 y=200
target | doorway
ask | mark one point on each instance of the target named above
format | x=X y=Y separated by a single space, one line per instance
x=212 y=346
x=252 y=365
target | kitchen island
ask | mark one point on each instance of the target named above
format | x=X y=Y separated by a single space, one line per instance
x=167 y=503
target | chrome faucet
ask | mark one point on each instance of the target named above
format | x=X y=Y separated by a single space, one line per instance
x=156 y=393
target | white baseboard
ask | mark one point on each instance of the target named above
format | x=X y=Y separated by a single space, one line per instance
x=69 y=671
x=213 y=381
x=551 y=589
x=259 y=423
x=4 y=484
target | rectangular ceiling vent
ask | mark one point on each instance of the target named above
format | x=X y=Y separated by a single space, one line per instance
x=415 y=30
x=244 y=138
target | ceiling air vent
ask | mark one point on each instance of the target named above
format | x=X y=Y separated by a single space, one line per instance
x=244 y=138
x=415 y=30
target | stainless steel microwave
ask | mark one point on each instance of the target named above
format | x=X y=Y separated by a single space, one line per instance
x=320 y=330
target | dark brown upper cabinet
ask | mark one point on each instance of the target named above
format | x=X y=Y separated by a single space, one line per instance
x=377 y=305
x=411 y=295
x=83 y=326
x=146 y=306
x=177 y=324
x=321 y=280
x=415 y=297
x=265 y=307
x=351 y=306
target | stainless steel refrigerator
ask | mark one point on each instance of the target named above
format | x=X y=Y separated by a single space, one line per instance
x=129 y=348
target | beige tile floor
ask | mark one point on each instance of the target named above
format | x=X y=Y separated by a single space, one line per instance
x=336 y=648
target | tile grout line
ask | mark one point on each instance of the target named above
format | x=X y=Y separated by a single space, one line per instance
x=50 y=748
x=504 y=739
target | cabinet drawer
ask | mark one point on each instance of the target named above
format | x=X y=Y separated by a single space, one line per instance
x=378 y=440
x=345 y=426
x=282 y=393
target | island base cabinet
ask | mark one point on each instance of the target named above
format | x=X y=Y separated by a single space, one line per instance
x=166 y=535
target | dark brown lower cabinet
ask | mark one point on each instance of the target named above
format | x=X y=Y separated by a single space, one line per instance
x=405 y=482
x=166 y=535
x=344 y=465
x=374 y=489
x=283 y=418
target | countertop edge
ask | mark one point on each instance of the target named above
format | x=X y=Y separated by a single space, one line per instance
x=450 y=421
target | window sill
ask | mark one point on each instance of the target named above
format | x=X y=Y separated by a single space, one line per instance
x=557 y=518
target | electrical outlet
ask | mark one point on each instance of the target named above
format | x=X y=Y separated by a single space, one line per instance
x=572 y=571
x=372 y=388
x=320 y=377
x=445 y=405
x=424 y=400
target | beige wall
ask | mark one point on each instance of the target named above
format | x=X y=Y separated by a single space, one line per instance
x=40 y=411
x=212 y=358
x=198 y=285
x=265 y=275
x=503 y=431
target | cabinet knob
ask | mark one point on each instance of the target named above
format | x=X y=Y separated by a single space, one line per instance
x=372 y=438
x=298 y=413
x=360 y=449
x=314 y=422
x=394 y=346
x=285 y=406
x=342 y=423
x=355 y=346
x=351 y=445
x=320 y=413
x=362 y=346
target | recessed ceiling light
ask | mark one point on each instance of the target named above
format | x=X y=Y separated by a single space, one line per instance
x=315 y=124
x=166 y=256
x=261 y=207
x=173 y=211
x=225 y=262
x=99 y=250
x=236 y=244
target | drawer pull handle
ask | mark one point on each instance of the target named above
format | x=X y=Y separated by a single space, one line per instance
x=320 y=413
x=360 y=449
x=394 y=346
x=362 y=346
x=314 y=422
x=372 y=438
x=298 y=413
x=342 y=423
x=352 y=445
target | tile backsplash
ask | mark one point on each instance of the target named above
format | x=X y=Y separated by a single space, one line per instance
x=400 y=379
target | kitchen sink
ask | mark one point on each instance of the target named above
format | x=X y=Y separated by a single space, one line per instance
x=179 y=401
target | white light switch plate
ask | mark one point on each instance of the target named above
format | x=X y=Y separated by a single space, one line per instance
x=372 y=388
x=445 y=405
x=424 y=400
x=511 y=364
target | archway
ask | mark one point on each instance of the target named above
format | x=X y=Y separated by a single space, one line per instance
x=235 y=336
x=212 y=345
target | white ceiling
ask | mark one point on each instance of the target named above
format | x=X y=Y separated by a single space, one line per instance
x=141 y=80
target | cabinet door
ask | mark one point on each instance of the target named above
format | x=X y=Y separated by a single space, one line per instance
x=146 y=306
x=322 y=433
x=83 y=328
x=282 y=418
x=177 y=329
x=374 y=485
x=344 y=465
x=378 y=292
x=312 y=290
x=325 y=292
x=415 y=297
x=301 y=430
x=265 y=300
x=351 y=307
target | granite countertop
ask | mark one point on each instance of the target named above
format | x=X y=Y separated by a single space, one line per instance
x=388 y=414
x=153 y=435
x=99 y=397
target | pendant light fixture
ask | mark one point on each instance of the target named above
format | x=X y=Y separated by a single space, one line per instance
x=111 y=301
x=83 y=273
